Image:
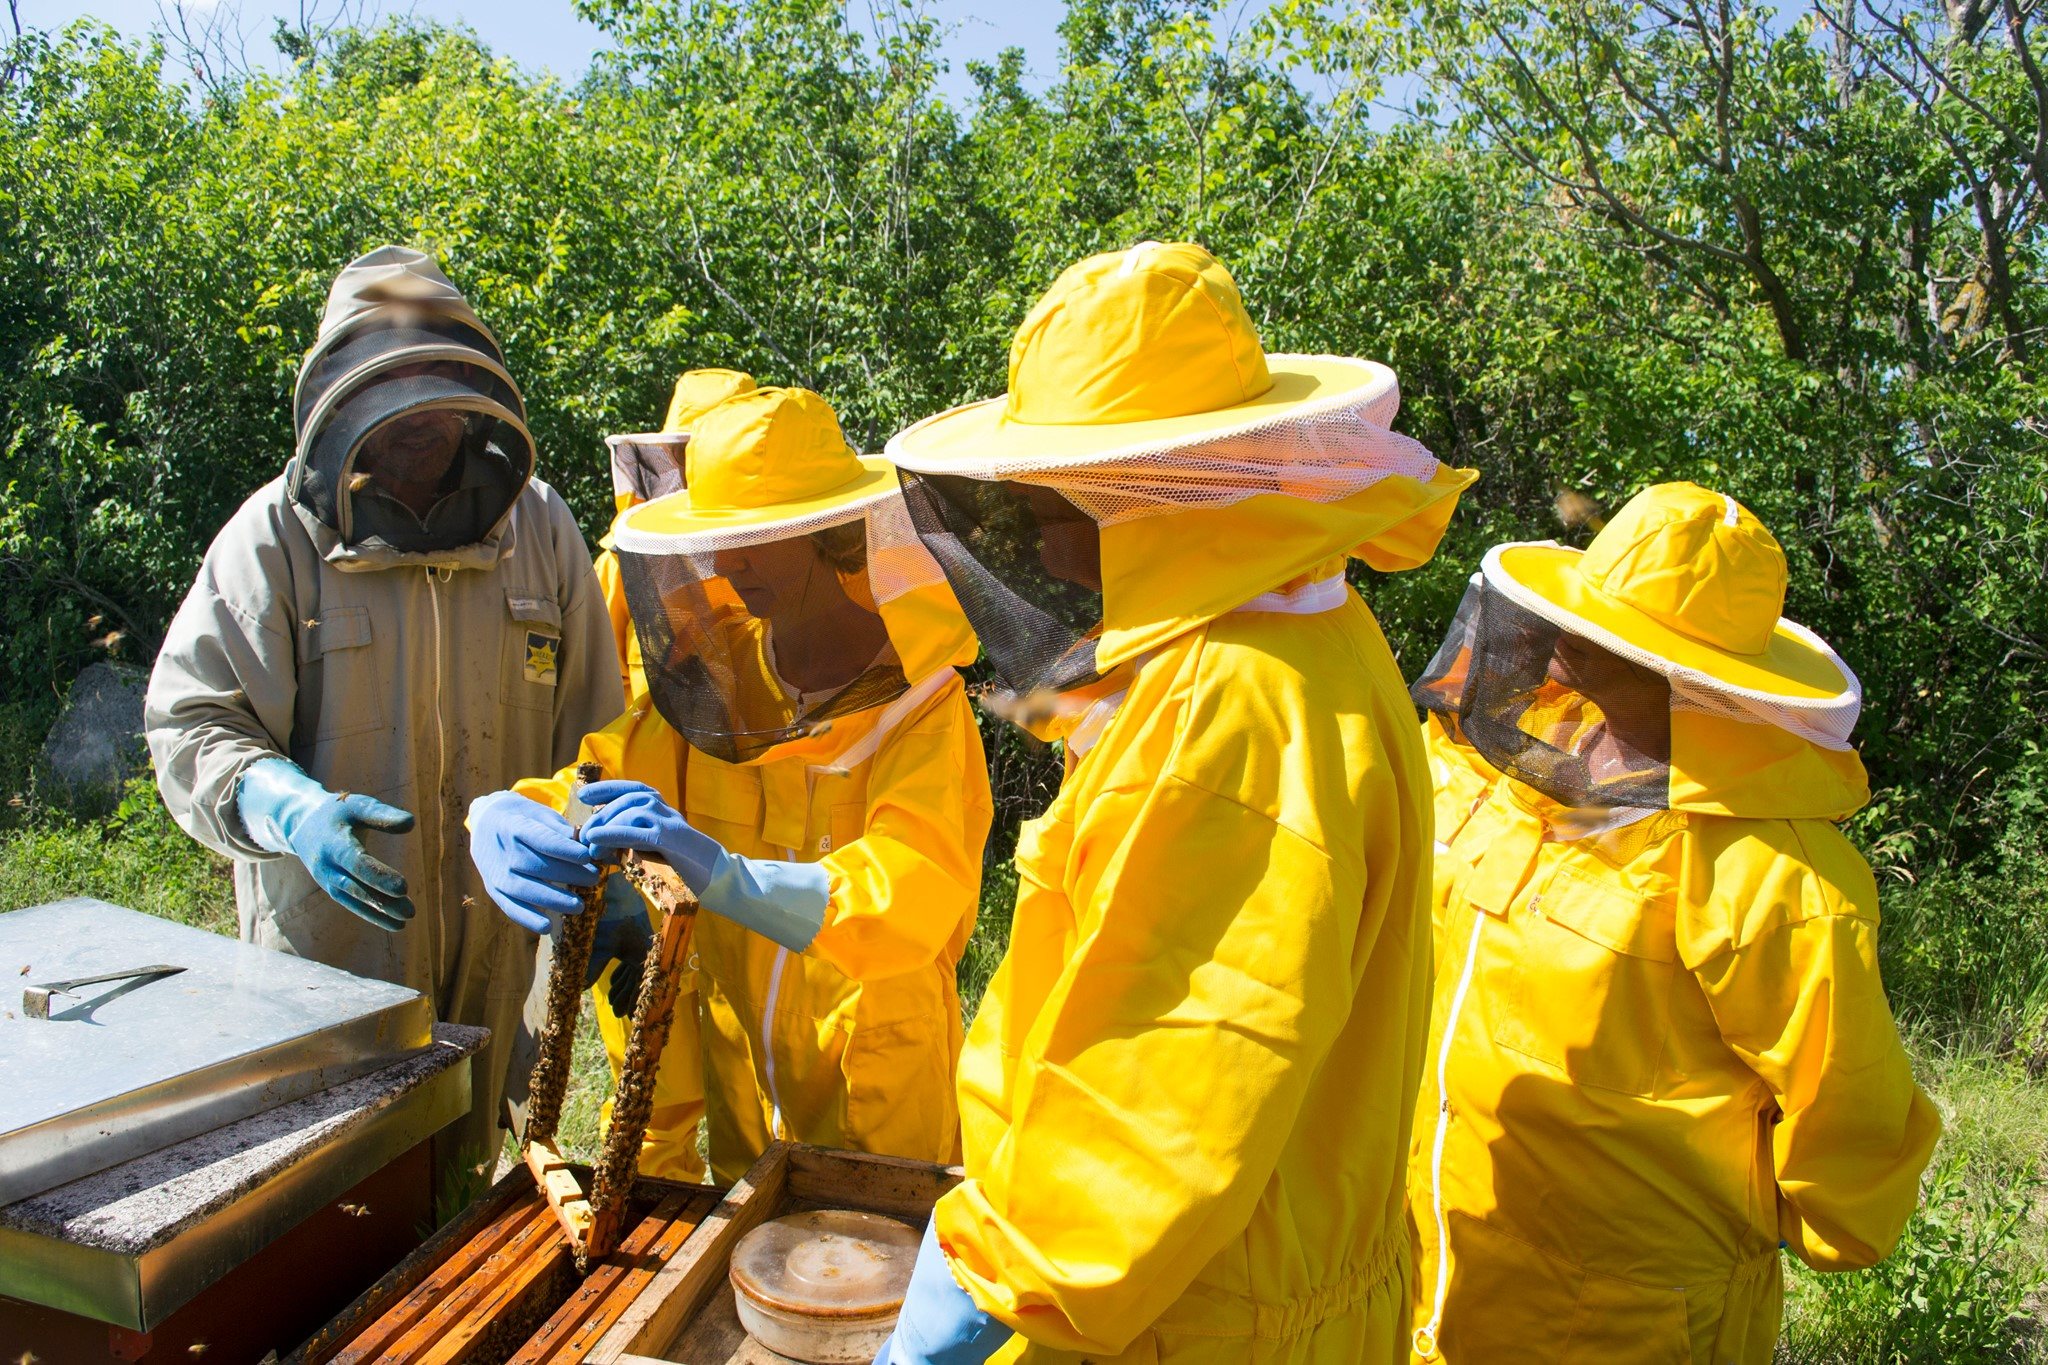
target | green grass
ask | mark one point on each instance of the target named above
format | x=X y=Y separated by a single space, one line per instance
x=1965 y=1285
x=137 y=857
x=1966 y=959
x=590 y=1085
x=991 y=935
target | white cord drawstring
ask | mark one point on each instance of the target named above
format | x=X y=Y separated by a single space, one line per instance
x=1425 y=1336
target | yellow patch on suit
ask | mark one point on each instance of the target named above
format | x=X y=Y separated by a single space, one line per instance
x=540 y=657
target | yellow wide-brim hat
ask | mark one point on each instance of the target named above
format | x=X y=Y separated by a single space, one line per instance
x=761 y=466
x=697 y=392
x=1689 y=583
x=981 y=440
x=1133 y=353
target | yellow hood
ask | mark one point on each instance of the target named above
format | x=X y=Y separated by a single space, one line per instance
x=1721 y=766
x=1165 y=575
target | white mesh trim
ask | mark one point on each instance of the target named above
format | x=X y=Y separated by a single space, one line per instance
x=1323 y=451
x=1310 y=599
x=1826 y=721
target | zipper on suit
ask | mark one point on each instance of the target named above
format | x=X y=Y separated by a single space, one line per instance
x=853 y=758
x=1426 y=1335
x=776 y=1126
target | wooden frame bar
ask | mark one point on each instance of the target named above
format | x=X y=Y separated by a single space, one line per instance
x=593 y=1221
x=499 y=1284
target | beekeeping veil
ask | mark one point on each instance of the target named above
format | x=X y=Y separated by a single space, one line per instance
x=403 y=371
x=1153 y=467
x=781 y=587
x=1652 y=670
x=648 y=465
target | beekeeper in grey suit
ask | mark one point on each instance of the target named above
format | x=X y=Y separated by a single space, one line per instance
x=403 y=621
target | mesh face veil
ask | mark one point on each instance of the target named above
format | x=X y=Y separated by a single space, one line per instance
x=647 y=465
x=756 y=637
x=1026 y=564
x=1588 y=717
x=1571 y=719
x=1020 y=538
x=405 y=393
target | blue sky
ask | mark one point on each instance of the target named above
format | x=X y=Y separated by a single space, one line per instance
x=547 y=33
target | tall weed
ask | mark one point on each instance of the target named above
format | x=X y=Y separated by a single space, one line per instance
x=1956 y=1291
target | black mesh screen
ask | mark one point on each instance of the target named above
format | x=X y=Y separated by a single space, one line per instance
x=481 y=484
x=749 y=648
x=492 y=465
x=396 y=330
x=649 y=469
x=1026 y=565
x=1580 y=724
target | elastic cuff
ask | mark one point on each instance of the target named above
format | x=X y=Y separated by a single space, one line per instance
x=966 y=1333
x=783 y=902
x=262 y=833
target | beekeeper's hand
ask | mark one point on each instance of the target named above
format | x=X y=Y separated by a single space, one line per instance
x=286 y=811
x=625 y=936
x=529 y=857
x=781 y=901
x=940 y=1324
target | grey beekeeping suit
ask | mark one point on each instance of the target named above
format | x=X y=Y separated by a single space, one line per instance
x=422 y=662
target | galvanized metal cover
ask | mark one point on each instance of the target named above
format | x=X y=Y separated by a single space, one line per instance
x=129 y=1067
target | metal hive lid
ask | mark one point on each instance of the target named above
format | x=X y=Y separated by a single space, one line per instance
x=129 y=1067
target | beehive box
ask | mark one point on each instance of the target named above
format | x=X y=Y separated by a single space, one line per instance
x=684 y=1312
x=498 y=1286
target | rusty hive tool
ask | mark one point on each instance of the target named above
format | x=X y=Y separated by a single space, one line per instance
x=593 y=1221
x=35 y=1000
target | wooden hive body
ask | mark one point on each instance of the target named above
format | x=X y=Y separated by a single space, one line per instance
x=499 y=1286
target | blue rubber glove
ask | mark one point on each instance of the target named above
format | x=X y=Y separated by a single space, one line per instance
x=286 y=811
x=624 y=936
x=529 y=857
x=939 y=1324
x=781 y=901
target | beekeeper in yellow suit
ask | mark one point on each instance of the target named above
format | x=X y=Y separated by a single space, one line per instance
x=805 y=755
x=1660 y=1048
x=1185 y=1100
x=646 y=466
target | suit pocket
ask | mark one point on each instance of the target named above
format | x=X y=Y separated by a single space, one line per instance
x=533 y=650
x=1618 y=1320
x=844 y=824
x=722 y=800
x=1507 y=1300
x=899 y=1090
x=1592 y=991
x=339 y=681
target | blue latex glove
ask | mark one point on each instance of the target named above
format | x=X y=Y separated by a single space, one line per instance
x=939 y=1324
x=777 y=900
x=624 y=936
x=286 y=811
x=529 y=856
